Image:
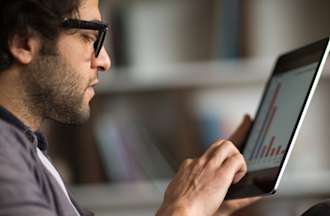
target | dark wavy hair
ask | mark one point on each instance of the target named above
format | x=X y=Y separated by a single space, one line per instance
x=20 y=17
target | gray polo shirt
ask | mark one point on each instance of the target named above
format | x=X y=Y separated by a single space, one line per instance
x=27 y=188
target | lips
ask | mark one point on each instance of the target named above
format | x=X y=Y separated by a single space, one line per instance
x=93 y=84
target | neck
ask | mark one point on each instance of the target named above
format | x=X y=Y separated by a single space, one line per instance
x=14 y=99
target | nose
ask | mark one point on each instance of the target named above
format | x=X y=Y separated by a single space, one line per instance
x=102 y=62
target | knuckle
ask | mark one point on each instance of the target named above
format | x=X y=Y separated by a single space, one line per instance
x=217 y=143
x=228 y=144
x=239 y=159
x=187 y=162
x=235 y=161
x=213 y=163
x=219 y=151
x=200 y=162
x=232 y=144
x=217 y=158
x=233 y=147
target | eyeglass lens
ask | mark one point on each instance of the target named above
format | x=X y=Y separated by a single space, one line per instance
x=99 y=43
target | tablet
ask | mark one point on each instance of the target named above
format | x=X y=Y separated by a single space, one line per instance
x=279 y=117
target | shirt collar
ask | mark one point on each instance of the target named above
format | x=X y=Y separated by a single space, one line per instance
x=11 y=119
x=34 y=137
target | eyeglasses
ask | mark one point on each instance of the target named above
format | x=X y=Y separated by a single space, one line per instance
x=89 y=25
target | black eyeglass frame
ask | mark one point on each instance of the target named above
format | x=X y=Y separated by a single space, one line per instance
x=102 y=29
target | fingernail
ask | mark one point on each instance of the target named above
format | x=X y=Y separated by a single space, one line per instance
x=238 y=177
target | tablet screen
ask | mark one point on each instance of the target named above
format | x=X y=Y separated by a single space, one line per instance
x=277 y=117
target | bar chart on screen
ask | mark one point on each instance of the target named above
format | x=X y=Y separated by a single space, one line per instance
x=277 y=117
x=272 y=150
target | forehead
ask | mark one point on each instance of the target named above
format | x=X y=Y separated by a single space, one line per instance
x=89 y=10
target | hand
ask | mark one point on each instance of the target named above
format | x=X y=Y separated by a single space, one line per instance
x=200 y=185
x=238 y=137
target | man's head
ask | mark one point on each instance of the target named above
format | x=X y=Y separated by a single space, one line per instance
x=55 y=55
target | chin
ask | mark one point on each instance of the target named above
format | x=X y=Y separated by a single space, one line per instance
x=81 y=117
x=73 y=116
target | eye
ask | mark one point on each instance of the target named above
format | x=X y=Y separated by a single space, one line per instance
x=89 y=38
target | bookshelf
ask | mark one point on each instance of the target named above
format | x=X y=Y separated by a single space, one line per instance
x=219 y=74
x=189 y=75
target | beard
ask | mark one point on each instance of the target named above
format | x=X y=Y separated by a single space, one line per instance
x=54 y=90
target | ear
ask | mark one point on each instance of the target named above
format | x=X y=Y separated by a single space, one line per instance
x=24 y=49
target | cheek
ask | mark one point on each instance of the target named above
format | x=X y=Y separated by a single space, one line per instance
x=83 y=77
x=75 y=51
x=78 y=60
x=77 y=79
x=71 y=78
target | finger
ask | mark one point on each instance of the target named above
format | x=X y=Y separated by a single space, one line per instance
x=238 y=176
x=232 y=206
x=214 y=145
x=241 y=203
x=235 y=168
x=221 y=153
x=242 y=171
x=212 y=148
x=247 y=201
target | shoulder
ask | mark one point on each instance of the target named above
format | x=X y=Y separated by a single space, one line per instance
x=20 y=189
x=320 y=209
x=15 y=148
x=10 y=134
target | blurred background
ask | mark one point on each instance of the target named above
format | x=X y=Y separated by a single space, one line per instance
x=183 y=74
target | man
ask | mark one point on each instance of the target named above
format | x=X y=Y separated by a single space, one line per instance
x=50 y=54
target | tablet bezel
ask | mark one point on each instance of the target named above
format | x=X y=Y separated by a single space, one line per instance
x=266 y=181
